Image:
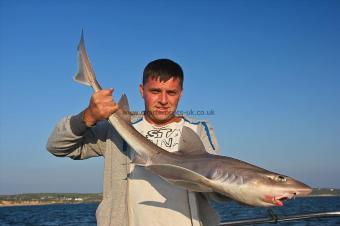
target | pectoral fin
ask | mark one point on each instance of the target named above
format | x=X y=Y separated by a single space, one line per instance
x=190 y=143
x=182 y=177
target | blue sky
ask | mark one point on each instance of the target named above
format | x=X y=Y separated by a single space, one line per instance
x=269 y=70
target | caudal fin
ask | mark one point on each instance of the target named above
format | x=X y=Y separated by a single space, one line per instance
x=85 y=74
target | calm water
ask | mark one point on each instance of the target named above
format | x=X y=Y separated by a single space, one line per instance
x=84 y=214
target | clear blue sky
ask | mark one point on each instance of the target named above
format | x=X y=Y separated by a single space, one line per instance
x=270 y=70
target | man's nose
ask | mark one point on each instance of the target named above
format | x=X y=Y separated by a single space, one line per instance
x=163 y=98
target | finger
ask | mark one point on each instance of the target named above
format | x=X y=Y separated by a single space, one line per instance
x=114 y=106
x=103 y=96
x=107 y=99
x=111 y=109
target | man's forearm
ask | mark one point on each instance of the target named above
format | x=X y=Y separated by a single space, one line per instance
x=67 y=135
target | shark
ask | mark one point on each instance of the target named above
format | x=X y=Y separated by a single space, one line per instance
x=193 y=168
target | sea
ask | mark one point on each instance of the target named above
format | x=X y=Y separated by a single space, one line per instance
x=84 y=214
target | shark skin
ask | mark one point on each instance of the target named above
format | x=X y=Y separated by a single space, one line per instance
x=192 y=168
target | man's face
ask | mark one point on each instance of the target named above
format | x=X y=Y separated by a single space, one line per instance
x=161 y=99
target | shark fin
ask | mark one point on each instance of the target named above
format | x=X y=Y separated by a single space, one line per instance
x=124 y=103
x=124 y=109
x=190 y=142
x=182 y=177
x=85 y=74
x=138 y=160
x=80 y=76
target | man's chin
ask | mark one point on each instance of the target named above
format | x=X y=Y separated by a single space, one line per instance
x=163 y=119
x=160 y=118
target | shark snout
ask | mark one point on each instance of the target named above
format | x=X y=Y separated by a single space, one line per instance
x=303 y=191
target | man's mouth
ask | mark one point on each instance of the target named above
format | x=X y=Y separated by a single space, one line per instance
x=163 y=109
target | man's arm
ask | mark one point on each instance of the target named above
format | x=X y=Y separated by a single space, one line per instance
x=83 y=136
x=72 y=138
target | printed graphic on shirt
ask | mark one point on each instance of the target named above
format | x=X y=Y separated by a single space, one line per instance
x=166 y=138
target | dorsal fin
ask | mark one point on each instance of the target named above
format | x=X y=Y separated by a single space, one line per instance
x=124 y=109
x=190 y=142
x=124 y=103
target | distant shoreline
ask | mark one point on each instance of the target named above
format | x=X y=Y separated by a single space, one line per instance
x=38 y=199
x=10 y=203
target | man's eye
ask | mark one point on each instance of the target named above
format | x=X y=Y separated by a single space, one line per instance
x=154 y=91
x=172 y=93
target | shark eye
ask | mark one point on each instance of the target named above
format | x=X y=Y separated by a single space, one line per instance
x=281 y=178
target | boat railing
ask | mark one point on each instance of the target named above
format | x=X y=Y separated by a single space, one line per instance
x=273 y=218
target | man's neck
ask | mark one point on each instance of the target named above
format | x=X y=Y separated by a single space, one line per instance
x=162 y=123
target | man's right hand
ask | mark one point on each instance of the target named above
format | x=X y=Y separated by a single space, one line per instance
x=101 y=107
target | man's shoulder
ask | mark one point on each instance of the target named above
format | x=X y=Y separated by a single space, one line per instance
x=194 y=121
x=202 y=126
x=205 y=131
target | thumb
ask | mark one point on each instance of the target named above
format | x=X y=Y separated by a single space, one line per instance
x=107 y=91
x=111 y=90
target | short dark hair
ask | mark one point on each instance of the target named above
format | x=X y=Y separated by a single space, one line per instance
x=164 y=69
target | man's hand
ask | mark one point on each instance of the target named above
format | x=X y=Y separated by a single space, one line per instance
x=101 y=107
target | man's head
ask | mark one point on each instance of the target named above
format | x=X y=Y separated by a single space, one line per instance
x=161 y=89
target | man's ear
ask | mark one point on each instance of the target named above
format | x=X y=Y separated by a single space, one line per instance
x=141 y=90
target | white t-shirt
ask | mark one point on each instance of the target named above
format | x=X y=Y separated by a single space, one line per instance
x=153 y=201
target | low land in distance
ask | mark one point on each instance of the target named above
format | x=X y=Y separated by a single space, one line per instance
x=48 y=198
x=74 y=198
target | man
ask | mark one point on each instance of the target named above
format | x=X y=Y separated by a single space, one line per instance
x=133 y=196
